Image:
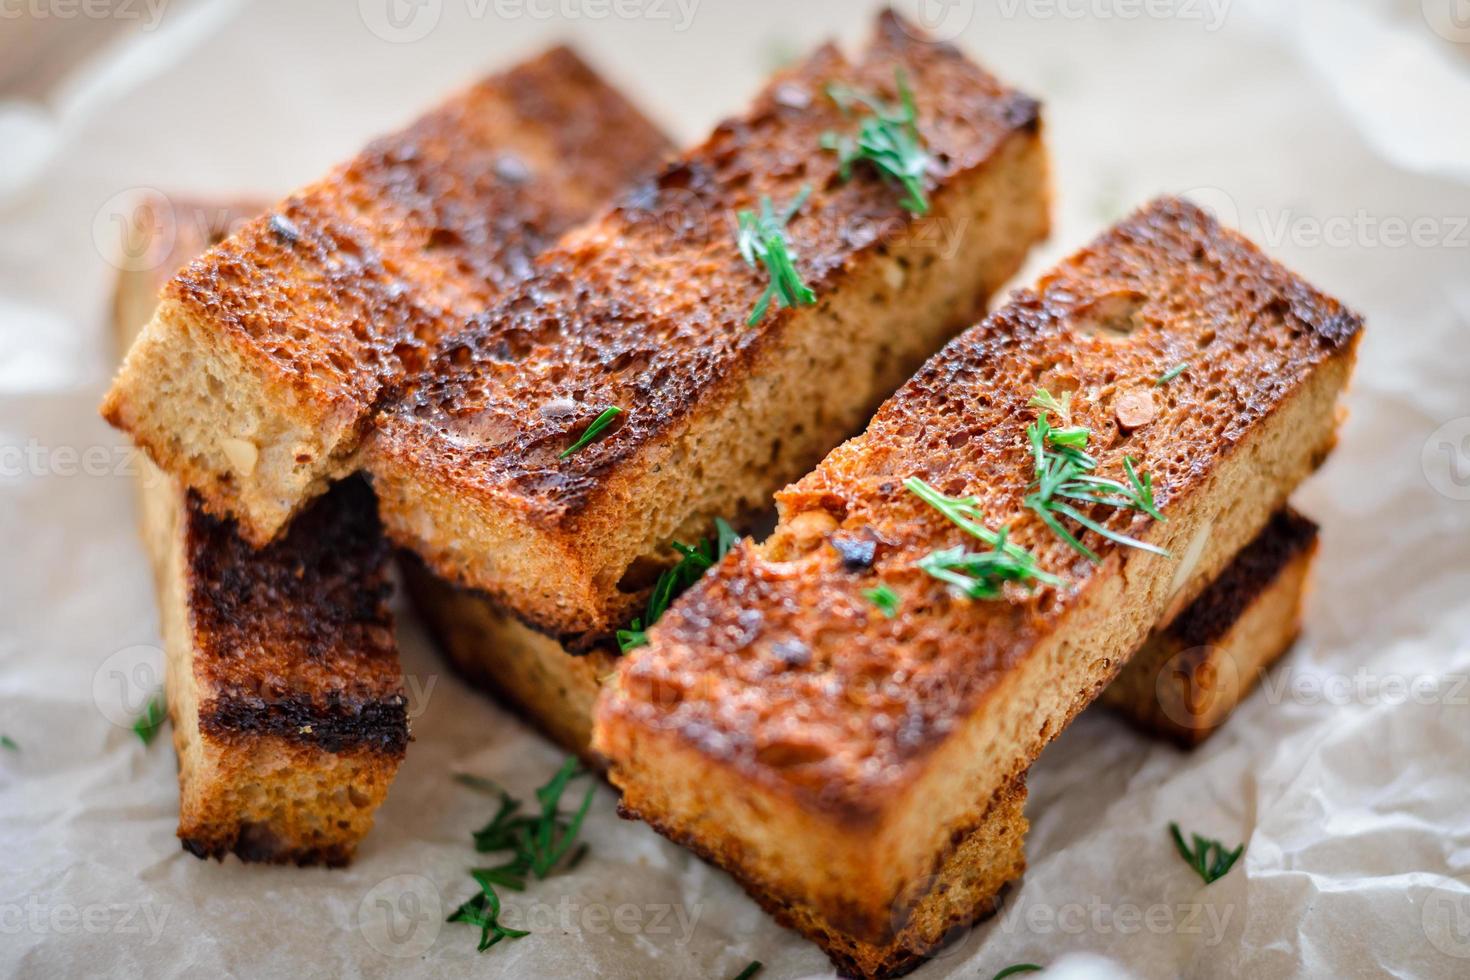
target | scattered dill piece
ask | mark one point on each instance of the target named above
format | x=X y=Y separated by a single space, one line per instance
x=751 y=969
x=9 y=743
x=884 y=598
x=978 y=575
x=1207 y=857
x=1015 y=968
x=887 y=138
x=597 y=428
x=762 y=242
x=672 y=582
x=479 y=784
x=1064 y=474
x=539 y=843
x=1172 y=373
x=151 y=720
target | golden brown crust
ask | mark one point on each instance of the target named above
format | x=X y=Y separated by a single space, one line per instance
x=1194 y=291
x=329 y=301
x=824 y=732
x=646 y=309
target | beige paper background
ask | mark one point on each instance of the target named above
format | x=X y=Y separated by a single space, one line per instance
x=1329 y=131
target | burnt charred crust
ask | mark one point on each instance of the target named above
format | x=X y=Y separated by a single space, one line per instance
x=256 y=843
x=296 y=639
x=336 y=722
x=1287 y=537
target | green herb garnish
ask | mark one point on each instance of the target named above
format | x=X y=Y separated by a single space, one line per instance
x=1172 y=373
x=1064 y=473
x=539 y=844
x=884 y=598
x=762 y=242
x=978 y=575
x=1015 y=968
x=888 y=138
x=9 y=743
x=1208 y=858
x=672 y=582
x=598 y=426
x=751 y=969
x=148 y=723
x=479 y=784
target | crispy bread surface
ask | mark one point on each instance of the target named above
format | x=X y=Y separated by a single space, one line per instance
x=1249 y=615
x=827 y=754
x=260 y=371
x=283 y=682
x=1190 y=675
x=646 y=310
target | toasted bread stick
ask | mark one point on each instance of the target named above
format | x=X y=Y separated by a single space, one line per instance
x=650 y=309
x=256 y=378
x=830 y=756
x=284 y=689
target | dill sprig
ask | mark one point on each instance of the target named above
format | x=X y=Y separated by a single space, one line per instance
x=594 y=430
x=1172 y=373
x=1207 y=857
x=1016 y=968
x=1064 y=472
x=751 y=969
x=151 y=720
x=9 y=743
x=539 y=843
x=672 y=582
x=762 y=242
x=884 y=598
x=979 y=575
x=888 y=138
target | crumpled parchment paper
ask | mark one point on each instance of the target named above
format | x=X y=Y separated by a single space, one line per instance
x=1333 y=133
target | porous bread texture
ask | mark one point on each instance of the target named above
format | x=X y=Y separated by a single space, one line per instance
x=268 y=356
x=641 y=313
x=825 y=779
x=263 y=797
x=963 y=891
x=1185 y=681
